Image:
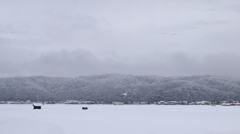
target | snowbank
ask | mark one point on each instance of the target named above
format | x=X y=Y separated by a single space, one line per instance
x=23 y=126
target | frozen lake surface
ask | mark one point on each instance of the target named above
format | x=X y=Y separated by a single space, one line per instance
x=126 y=119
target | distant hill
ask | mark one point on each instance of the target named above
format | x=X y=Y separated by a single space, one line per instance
x=117 y=87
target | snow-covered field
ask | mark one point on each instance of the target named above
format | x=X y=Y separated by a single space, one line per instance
x=126 y=119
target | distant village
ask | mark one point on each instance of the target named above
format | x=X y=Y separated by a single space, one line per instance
x=77 y=102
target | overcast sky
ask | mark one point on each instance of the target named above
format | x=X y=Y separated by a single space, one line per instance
x=150 y=37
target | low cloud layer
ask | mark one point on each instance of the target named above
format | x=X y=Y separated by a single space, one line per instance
x=80 y=62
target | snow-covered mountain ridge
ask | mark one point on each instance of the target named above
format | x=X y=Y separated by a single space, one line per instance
x=118 y=87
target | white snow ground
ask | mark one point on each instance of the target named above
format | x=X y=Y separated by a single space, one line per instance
x=126 y=119
x=23 y=126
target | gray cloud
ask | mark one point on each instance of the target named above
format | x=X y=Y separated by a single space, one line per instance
x=234 y=8
x=212 y=23
x=166 y=30
x=80 y=37
x=81 y=62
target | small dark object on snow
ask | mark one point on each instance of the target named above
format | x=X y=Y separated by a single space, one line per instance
x=84 y=108
x=36 y=107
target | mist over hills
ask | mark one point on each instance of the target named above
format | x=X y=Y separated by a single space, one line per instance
x=118 y=87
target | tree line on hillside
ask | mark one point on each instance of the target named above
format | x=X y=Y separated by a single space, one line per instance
x=117 y=87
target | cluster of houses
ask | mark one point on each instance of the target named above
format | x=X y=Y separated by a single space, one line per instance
x=223 y=103
x=16 y=102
